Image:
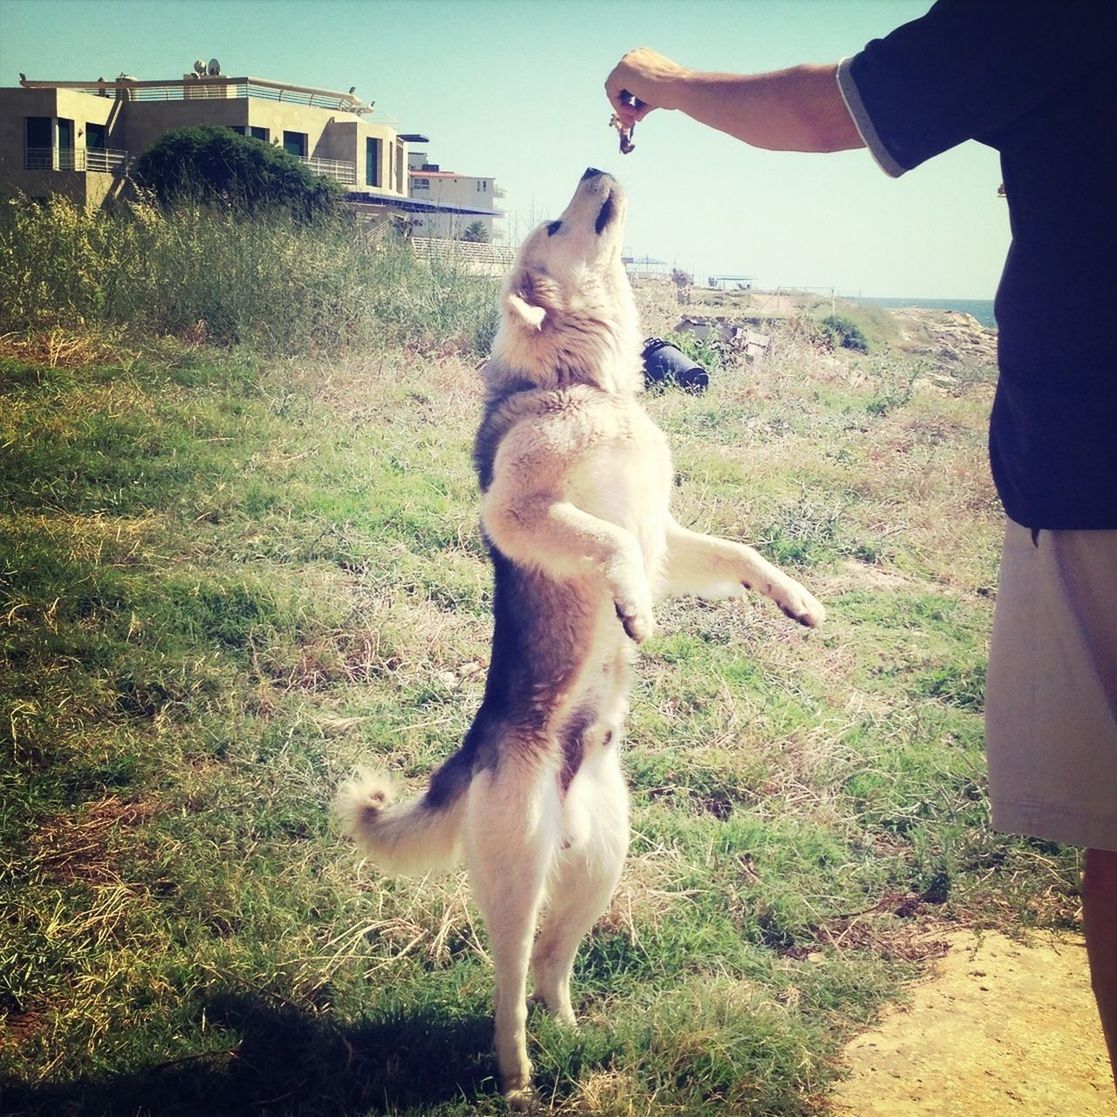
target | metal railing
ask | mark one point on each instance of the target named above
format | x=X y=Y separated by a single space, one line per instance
x=228 y=89
x=473 y=256
x=207 y=88
x=104 y=160
x=337 y=169
x=111 y=161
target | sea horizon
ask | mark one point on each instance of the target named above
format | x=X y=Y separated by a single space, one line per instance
x=981 y=309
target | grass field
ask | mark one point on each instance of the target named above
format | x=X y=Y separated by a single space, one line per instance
x=227 y=578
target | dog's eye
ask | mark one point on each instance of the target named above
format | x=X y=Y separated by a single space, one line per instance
x=553 y=228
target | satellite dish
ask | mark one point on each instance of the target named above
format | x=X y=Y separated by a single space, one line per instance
x=214 y=68
x=200 y=67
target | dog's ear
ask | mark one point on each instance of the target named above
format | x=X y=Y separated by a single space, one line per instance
x=523 y=303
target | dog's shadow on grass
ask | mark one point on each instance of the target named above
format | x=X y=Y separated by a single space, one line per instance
x=287 y=1061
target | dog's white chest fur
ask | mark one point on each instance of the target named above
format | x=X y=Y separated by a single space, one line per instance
x=625 y=479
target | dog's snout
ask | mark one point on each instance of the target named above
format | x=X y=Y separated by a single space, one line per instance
x=592 y=172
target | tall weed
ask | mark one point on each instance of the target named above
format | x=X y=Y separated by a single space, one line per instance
x=207 y=274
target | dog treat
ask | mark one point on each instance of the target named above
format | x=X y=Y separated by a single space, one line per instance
x=627 y=146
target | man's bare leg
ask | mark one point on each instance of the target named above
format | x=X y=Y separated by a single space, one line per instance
x=1099 y=918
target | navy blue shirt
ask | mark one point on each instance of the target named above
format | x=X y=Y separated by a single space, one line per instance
x=1037 y=82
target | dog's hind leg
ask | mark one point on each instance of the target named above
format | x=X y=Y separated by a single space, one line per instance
x=584 y=877
x=512 y=832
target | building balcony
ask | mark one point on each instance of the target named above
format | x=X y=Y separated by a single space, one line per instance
x=222 y=88
x=102 y=160
x=210 y=88
x=110 y=161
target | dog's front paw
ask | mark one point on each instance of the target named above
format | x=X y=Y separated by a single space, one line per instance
x=637 y=619
x=799 y=604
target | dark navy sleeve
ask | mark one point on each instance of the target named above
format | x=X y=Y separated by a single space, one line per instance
x=967 y=69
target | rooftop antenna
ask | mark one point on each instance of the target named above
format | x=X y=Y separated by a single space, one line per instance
x=214 y=68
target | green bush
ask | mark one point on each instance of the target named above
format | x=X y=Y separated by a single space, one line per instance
x=709 y=351
x=844 y=333
x=213 y=164
x=476 y=234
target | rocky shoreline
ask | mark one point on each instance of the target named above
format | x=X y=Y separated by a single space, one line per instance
x=950 y=336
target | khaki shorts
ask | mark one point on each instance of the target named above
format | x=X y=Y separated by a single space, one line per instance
x=1051 y=697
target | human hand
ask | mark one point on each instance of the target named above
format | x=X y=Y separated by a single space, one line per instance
x=643 y=80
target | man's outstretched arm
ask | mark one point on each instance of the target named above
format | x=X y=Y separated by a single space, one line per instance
x=800 y=109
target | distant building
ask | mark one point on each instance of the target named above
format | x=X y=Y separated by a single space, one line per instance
x=466 y=203
x=646 y=267
x=80 y=138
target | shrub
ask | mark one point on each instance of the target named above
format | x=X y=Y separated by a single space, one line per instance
x=844 y=333
x=213 y=164
x=708 y=351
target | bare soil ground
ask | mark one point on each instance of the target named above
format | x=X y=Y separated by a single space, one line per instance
x=999 y=1029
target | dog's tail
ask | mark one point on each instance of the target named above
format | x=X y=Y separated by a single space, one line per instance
x=407 y=838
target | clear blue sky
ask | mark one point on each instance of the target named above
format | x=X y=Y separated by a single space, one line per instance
x=512 y=89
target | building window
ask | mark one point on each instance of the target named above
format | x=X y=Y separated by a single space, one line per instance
x=482 y=185
x=38 y=143
x=401 y=162
x=39 y=131
x=372 y=162
x=259 y=133
x=421 y=183
x=238 y=128
x=294 y=143
x=95 y=137
x=65 y=144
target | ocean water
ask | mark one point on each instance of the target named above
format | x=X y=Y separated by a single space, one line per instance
x=981 y=309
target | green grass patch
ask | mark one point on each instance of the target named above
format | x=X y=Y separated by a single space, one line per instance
x=226 y=579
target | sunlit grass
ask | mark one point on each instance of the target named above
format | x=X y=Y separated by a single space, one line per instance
x=228 y=578
x=216 y=275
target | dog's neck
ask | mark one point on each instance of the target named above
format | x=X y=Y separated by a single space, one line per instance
x=623 y=378
x=553 y=358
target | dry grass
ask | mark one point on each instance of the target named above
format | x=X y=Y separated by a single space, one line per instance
x=232 y=580
x=85 y=845
x=61 y=347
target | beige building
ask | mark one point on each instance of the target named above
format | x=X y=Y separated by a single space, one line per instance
x=79 y=138
x=461 y=202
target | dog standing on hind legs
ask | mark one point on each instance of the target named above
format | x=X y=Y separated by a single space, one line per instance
x=576 y=482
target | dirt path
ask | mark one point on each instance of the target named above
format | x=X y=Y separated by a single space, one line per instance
x=998 y=1030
